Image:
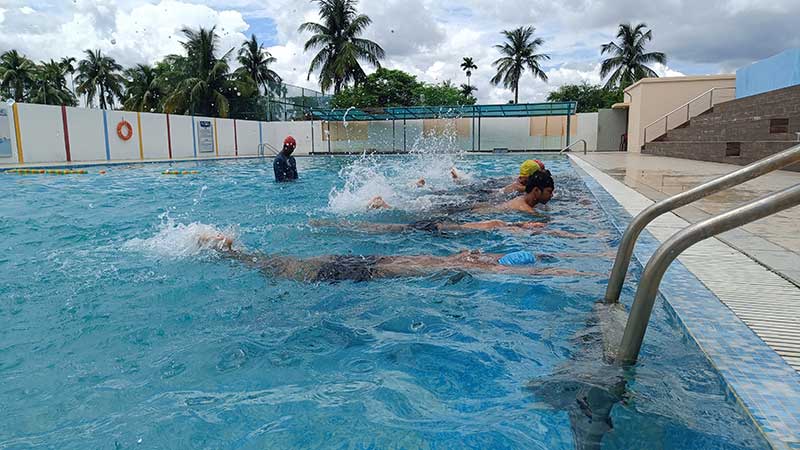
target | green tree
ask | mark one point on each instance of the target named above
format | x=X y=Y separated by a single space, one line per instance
x=68 y=64
x=204 y=85
x=468 y=66
x=590 y=97
x=442 y=94
x=49 y=86
x=467 y=90
x=98 y=75
x=255 y=61
x=384 y=87
x=627 y=57
x=16 y=74
x=519 y=53
x=340 y=47
x=387 y=87
x=143 y=89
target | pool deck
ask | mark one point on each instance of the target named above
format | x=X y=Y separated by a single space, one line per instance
x=736 y=295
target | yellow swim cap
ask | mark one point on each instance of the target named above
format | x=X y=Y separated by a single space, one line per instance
x=528 y=168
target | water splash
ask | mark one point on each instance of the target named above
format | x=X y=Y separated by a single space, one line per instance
x=434 y=157
x=178 y=241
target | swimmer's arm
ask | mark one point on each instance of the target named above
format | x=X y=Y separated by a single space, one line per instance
x=539 y=271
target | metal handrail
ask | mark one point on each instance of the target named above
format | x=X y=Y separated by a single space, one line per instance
x=263 y=146
x=570 y=146
x=686 y=105
x=628 y=242
x=674 y=246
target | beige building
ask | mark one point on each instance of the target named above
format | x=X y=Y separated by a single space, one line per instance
x=650 y=100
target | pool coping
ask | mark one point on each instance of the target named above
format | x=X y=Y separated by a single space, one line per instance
x=763 y=383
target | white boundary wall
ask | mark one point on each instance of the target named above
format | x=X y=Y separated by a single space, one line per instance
x=93 y=137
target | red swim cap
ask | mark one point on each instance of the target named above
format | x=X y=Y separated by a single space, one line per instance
x=289 y=141
x=541 y=164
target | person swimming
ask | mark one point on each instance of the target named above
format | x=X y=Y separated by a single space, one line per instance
x=539 y=189
x=333 y=268
x=441 y=225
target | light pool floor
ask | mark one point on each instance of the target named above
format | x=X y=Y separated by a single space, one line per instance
x=749 y=325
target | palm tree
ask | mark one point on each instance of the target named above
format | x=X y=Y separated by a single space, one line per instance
x=467 y=90
x=68 y=64
x=49 y=87
x=255 y=61
x=143 y=90
x=628 y=59
x=98 y=75
x=519 y=53
x=468 y=66
x=206 y=83
x=16 y=73
x=340 y=48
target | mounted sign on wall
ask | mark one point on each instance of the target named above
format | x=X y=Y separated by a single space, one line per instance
x=5 y=132
x=205 y=136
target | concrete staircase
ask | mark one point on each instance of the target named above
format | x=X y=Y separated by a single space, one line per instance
x=736 y=132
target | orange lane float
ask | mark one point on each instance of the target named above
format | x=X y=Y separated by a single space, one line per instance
x=124 y=130
x=47 y=171
x=180 y=172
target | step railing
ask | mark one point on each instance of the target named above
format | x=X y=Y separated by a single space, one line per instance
x=761 y=167
x=687 y=111
x=263 y=147
x=569 y=147
x=645 y=297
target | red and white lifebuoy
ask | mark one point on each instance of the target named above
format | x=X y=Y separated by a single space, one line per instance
x=124 y=130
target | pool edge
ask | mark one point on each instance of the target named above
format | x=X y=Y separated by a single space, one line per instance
x=679 y=282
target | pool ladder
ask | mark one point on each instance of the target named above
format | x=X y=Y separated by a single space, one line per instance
x=569 y=147
x=662 y=258
x=263 y=147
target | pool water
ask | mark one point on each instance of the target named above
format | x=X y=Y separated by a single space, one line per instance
x=118 y=330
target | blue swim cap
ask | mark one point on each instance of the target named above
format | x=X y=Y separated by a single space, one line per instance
x=520 y=258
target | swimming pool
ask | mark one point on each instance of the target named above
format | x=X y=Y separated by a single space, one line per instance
x=120 y=331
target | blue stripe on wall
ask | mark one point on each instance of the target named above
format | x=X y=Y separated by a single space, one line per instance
x=105 y=130
x=194 y=139
x=260 y=137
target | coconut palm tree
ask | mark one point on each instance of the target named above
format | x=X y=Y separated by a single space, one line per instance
x=467 y=90
x=468 y=66
x=519 y=53
x=68 y=64
x=255 y=61
x=143 y=90
x=206 y=83
x=98 y=75
x=16 y=74
x=49 y=86
x=340 y=48
x=628 y=58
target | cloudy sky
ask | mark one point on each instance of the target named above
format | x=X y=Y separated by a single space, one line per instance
x=425 y=37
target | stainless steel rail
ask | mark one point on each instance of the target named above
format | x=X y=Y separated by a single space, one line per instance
x=567 y=148
x=628 y=242
x=688 y=106
x=262 y=147
x=674 y=246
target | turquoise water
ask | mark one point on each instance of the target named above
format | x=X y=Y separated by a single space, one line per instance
x=117 y=330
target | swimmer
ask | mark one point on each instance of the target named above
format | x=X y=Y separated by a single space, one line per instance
x=442 y=225
x=527 y=169
x=454 y=174
x=333 y=268
x=538 y=190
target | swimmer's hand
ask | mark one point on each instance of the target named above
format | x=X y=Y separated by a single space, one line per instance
x=378 y=203
x=218 y=241
x=454 y=173
x=420 y=182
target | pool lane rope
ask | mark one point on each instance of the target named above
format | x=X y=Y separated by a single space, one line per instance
x=180 y=172
x=47 y=171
